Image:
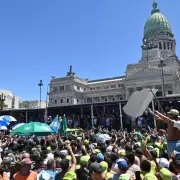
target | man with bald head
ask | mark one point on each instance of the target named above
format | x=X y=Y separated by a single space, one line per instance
x=49 y=172
x=25 y=155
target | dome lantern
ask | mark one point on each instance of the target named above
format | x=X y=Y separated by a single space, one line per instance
x=155 y=9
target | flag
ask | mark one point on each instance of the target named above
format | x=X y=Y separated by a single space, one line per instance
x=55 y=124
x=63 y=127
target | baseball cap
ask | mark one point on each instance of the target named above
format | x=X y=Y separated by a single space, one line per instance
x=122 y=153
x=84 y=160
x=139 y=151
x=69 y=157
x=122 y=164
x=154 y=136
x=69 y=175
x=165 y=174
x=124 y=177
x=99 y=157
x=96 y=167
x=104 y=164
x=153 y=153
x=96 y=151
x=163 y=163
x=86 y=142
x=26 y=161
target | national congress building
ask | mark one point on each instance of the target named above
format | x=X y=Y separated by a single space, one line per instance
x=158 y=68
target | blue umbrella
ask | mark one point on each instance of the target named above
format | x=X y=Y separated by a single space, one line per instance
x=7 y=118
x=3 y=125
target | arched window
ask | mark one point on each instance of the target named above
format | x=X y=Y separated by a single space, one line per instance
x=168 y=45
x=171 y=45
x=160 y=46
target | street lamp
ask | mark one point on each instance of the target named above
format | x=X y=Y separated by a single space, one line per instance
x=162 y=65
x=40 y=85
x=2 y=99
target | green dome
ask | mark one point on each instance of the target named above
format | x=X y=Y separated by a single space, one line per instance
x=156 y=23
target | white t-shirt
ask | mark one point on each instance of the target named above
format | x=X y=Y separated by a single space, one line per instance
x=176 y=124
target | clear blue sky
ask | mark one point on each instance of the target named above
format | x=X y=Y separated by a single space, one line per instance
x=41 y=38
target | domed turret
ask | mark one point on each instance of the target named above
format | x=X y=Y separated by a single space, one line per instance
x=156 y=24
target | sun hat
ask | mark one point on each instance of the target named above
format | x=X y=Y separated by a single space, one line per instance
x=174 y=112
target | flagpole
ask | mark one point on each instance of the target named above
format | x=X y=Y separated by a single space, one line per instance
x=153 y=112
x=46 y=110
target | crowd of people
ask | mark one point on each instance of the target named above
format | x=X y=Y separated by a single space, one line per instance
x=96 y=154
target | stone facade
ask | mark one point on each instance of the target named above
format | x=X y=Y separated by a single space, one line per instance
x=11 y=101
x=158 y=45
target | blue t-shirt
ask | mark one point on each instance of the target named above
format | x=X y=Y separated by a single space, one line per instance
x=46 y=175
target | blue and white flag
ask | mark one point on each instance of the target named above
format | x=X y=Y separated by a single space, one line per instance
x=55 y=124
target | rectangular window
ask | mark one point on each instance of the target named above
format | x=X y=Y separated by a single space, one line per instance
x=78 y=88
x=55 y=89
x=61 y=100
x=113 y=86
x=77 y=100
x=169 y=92
x=160 y=46
x=61 y=88
x=164 y=45
x=55 y=101
x=67 y=100
x=168 y=45
x=67 y=87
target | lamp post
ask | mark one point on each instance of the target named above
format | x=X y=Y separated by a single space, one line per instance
x=162 y=65
x=40 y=85
x=2 y=99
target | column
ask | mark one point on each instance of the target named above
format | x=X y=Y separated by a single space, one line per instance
x=81 y=112
x=120 y=115
x=92 y=116
x=26 y=117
